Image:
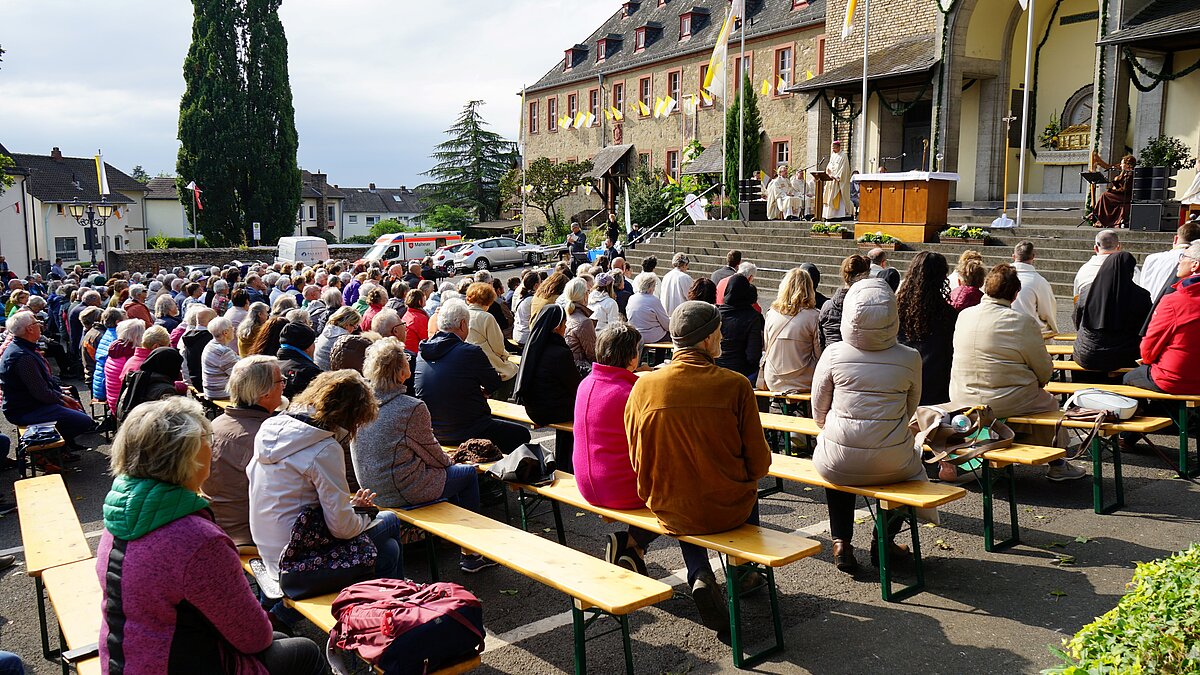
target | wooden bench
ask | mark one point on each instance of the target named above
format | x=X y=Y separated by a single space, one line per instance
x=1140 y=425
x=564 y=433
x=1185 y=467
x=24 y=449
x=1061 y=350
x=660 y=351
x=75 y=594
x=1073 y=367
x=594 y=585
x=746 y=548
x=51 y=535
x=212 y=407
x=1064 y=337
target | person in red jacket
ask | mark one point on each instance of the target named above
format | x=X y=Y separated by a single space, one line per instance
x=1171 y=346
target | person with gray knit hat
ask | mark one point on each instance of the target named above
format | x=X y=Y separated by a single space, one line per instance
x=296 y=358
x=693 y=403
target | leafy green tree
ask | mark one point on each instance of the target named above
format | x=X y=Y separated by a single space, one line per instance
x=469 y=166
x=547 y=183
x=446 y=218
x=211 y=122
x=750 y=140
x=6 y=181
x=139 y=174
x=271 y=179
x=646 y=203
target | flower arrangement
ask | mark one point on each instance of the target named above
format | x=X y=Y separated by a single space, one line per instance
x=878 y=238
x=829 y=229
x=975 y=234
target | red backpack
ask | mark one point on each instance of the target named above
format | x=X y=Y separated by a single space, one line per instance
x=404 y=627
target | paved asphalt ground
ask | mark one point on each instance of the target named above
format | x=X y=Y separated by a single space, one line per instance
x=981 y=612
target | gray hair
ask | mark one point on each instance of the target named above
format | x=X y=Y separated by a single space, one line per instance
x=1023 y=251
x=283 y=304
x=36 y=303
x=136 y=290
x=385 y=365
x=20 y=322
x=256 y=316
x=299 y=315
x=332 y=297
x=220 y=286
x=1193 y=250
x=311 y=292
x=645 y=282
x=747 y=269
x=219 y=327
x=483 y=277
x=161 y=440
x=252 y=378
x=385 y=321
x=618 y=344
x=452 y=314
x=1107 y=241
x=427 y=287
x=163 y=305
x=131 y=330
x=91 y=298
x=679 y=260
x=156 y=336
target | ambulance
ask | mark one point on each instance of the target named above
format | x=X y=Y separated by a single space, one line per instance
x=404 y=247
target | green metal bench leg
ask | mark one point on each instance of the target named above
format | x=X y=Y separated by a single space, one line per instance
x=733 y=580
x=989 y=526
x=1186 y=469
x=62 y=646
x=626 y=643
x=40 y=590
x=558 y=523
x=579 y=626
x=885 y=569
x=1097 y=451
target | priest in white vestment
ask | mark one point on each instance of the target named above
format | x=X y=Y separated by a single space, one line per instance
x=783 y=199
x=837 y=191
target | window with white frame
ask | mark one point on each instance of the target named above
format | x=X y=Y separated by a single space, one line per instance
x=353 y=219
x=66 y=248
x=371 y=220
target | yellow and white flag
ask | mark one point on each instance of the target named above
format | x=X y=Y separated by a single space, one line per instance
x=608 y=115
x=714 y=78
x=808 y=75
x=848 y=24
x=617 y=115
x=579 y=118
x=589 y=118
x=706 y=97
x=643 y=108
x=658 y=107
x=526 y=189
x=765 y=89
x=780 y=85
x=669 y=106
x=1023 y=3
x=101 y=174
x=689 y=104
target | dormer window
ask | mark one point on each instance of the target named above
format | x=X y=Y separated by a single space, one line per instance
x=607 y=46
x=645 y=35
x=691 y=21
x=573 y=56
x=639 y=39
x=629 y=8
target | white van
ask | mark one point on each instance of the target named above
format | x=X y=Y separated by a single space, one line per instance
x=308 y=250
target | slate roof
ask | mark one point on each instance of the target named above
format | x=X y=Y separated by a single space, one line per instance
x=765 y=16
x=606 y=158
x=712 y=160
x=162 y=188
x=382 y=200
x=1169 y=24
x=910 y=57
x=308 y=189
x=62 y=180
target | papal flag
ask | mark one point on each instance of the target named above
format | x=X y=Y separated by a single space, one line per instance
x=669 y=105
x=765 y=89
x=579 y=118
x=617 y=115
x=714 y=78
x=848 y=24
x=689 y=104
x=780 y=85
x=706 y=97
x=589 y=118
x=643 y=108
x=658 y=107
x=808 y=75
x=101 y=174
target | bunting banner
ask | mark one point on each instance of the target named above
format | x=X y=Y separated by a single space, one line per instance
x=101 y=174
x=714 y=78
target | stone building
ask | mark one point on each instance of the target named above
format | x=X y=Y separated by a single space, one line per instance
x=655 y=48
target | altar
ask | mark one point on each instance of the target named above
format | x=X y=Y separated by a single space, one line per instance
x=912 y=206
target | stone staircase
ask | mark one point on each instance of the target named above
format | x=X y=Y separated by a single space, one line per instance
x=777 y=246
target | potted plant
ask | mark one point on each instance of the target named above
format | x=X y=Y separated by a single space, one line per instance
x=720 y=209
x=976 y=236
x=1163 y=157
x=829 y=231
x=879 y=240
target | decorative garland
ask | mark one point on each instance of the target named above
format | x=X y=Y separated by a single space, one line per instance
x=1102 y=60
x=901 y=107
x=935 y=146
x=1158 y=78
x=838 y=115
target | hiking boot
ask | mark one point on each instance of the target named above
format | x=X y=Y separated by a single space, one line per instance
x=1065 y=471
x=475 y=563
x=709 y=602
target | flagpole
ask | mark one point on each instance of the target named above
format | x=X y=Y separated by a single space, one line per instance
x=742 y=111
x=724 y=125
x=862 y=111
x=195 y=229
x=1024 y=114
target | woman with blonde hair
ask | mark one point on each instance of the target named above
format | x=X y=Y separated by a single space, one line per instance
x=247 y=331
x=298 y=461
x=955 y=278
x=581 y=332
x=377 y=299
x=154 y=337
x=342 y=322
x=793 y=335
x=283 y=304
x=397 y=455
x=199 y=605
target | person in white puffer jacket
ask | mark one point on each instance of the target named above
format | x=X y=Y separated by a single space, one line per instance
x=865 y=390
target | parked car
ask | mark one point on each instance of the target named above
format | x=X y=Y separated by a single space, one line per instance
x=443 y=258
x=487 y=254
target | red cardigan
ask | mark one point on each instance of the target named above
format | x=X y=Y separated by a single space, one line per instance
x=1172 y=343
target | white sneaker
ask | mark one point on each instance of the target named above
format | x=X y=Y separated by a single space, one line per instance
x=1064 y=472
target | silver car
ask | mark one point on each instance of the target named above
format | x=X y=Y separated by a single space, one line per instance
x=487 y=254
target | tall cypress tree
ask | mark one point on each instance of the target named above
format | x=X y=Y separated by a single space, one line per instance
x=751 y=137
x=211 y=120
x=469 y=166
x=271 y=187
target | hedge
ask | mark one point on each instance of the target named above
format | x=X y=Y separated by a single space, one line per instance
x=1155 y=628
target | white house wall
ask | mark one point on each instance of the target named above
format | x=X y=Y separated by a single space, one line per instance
x=166 y=217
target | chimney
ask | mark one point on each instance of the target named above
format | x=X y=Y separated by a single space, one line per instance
x=403 y=188
x=56 y=154
x=371 y=188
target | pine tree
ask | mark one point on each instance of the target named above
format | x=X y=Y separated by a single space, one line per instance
x=751 y=138
x=210 y=121
x=271 y=183
x=470 y=165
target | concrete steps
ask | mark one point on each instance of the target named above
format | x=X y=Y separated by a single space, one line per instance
x=776 y=247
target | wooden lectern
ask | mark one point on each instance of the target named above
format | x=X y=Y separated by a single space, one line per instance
x=911 y=206
x=820 y=178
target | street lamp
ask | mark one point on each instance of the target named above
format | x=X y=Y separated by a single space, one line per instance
x=91 y=216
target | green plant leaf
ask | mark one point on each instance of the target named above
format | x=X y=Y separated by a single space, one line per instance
x=1058 y=593
x=508 y=591
x=1081 y=539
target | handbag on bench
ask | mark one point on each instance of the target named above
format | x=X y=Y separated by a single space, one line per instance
x=935 y=430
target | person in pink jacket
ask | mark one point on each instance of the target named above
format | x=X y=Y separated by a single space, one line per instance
x=129 y=336
x=155 y=337
x=601 y=455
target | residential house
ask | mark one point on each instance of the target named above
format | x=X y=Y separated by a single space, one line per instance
x=320 y=205
x=165 y=214
x=363 y=207
x=35 y=222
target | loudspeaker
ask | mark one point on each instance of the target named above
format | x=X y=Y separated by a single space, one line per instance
x=1145 y=217
x=753 y=211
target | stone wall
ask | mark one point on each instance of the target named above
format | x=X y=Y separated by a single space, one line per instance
x=783 y=117
x=141 y=260
x=891 y=21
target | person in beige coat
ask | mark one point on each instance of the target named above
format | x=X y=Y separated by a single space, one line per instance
x=1000 y=360
x=793 y=343
x=865 y=390
x=486 y=333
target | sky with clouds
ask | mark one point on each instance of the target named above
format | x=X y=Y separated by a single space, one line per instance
x=375 y=82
